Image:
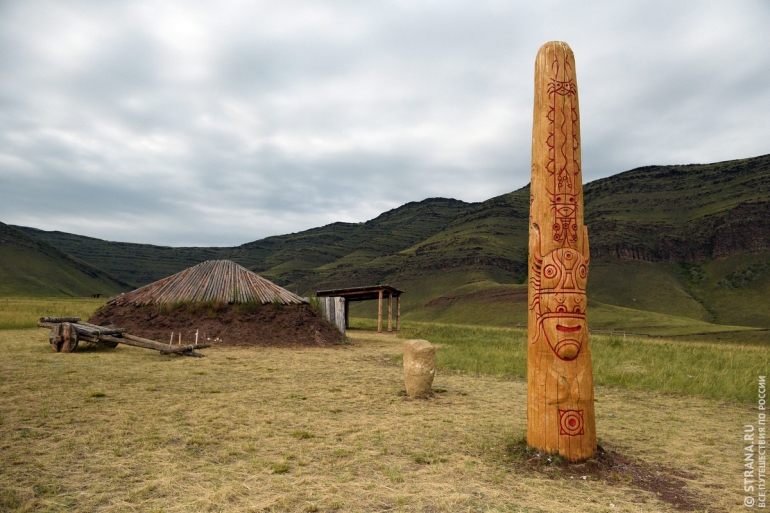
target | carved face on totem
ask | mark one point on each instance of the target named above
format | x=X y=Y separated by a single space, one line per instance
x=560 y=300
x=562 y=315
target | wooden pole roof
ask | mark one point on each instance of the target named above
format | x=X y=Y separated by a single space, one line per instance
x=222 y=281
x=361 y=293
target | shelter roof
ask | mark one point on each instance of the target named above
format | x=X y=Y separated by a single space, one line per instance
x=222 y=281
x=361 y=293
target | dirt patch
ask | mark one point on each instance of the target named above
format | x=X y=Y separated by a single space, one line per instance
x=667 y=484
x=225 y=325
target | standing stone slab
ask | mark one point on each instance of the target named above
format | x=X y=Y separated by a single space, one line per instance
x=419 y=367
x=560 y=388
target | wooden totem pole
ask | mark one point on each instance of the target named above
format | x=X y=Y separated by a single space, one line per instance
x=560 y=387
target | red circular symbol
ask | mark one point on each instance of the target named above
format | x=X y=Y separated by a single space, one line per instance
x=571 y=422
x=549 y=271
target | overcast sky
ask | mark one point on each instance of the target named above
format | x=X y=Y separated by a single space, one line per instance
x=182 y=123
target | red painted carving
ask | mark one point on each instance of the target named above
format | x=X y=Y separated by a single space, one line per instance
x=571 y=422
x=563 y=160
x=559 y=276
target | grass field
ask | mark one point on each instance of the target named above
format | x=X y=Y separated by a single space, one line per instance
x=24 y=312
x=255 y=429
x=716 y=370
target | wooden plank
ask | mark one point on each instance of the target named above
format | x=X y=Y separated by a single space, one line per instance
x=161 y=345
x=390 y=311
x=379 y=313
x=94 y=331
x=339 y=313
x=131 y=342
x=107 y=330
x=59 y=319
x=183 y=349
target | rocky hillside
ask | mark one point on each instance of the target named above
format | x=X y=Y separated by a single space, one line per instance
x=701 y=228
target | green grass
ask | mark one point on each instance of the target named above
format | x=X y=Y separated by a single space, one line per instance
x=31 y=267
x=720 y=371
x=20 y=313
x=736 y=289
x=603 y=316
x=655 y=287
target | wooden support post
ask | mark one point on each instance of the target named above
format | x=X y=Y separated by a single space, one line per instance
x=379 y=314
x=398 y=313
x=390 y=311
x=347 y=313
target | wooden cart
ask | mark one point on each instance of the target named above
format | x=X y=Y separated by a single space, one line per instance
x=67 y=332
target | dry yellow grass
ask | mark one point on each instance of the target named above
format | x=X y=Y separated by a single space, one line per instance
x=254 y=429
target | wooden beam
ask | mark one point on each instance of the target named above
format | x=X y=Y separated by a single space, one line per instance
x=146 y=343
x=379 y=313
x=134 y=341
x=58 y=319
x=390 y=311
x=398 y=313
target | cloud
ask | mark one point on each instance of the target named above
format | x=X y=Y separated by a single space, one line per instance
x=181 y=123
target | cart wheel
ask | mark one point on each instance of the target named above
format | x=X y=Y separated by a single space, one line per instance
x=55 y=339
x=69 y=338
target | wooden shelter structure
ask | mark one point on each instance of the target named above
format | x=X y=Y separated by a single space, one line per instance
x=368 y=293
x=221 y=281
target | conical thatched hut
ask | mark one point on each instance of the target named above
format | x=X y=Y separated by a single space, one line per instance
x=220 y=281
x=220 y=302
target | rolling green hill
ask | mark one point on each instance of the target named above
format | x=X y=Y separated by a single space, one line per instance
x=295 y=259
x=692 y=242
x=31 y=267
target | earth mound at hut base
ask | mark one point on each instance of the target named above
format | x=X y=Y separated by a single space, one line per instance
x=250 y=324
